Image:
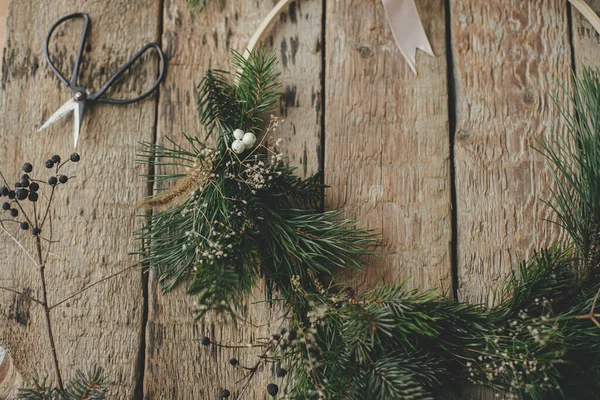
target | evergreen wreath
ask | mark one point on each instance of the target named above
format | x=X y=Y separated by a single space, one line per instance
x=240 y=214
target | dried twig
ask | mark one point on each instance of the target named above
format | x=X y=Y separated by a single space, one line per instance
x=21 y=294
x=92 y=285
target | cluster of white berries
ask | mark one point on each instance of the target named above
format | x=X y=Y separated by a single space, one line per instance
x=243 y=141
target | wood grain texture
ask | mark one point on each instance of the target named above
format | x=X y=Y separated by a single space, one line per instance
x=387 y=141
x=95 y=213
x=508 y=57
x=3 y=15
x=586 y=41
x=177 y=365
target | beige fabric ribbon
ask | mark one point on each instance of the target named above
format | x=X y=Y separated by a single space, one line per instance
x=402 y=16
x=407 y=29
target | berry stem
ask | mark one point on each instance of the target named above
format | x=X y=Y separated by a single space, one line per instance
x=42 y=267
x=47 y=208
x=21 y=294
x=92 y=285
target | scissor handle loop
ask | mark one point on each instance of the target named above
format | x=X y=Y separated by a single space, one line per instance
x=97 y=96
x=86 y=19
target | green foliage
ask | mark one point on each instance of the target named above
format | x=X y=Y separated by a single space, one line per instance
x=575 y=161
x=246 y=216
x=539 y=342
x=225 y=105
x=250 y=217
x=88 y=386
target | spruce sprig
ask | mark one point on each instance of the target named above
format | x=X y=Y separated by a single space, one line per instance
x=575 y=162
x=235 y=218
x=89 y=385
x=225 y=105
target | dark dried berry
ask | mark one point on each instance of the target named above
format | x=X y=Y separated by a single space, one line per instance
x=281 y=372
x=25 y=183
x=14 y=212
x=52 y=181
x=49 y=164
x=276 y=337
x=22 y=194
x=34 y=186
x=6 y=206
x=25 y=226
x=4 y=191
x=75 y=157
x=25 y=177
x=33 y=196
x=205 y=341
x=63 y=179
x=36 y=231
x=292 y=335
x=272 y=389
x=225 y=393
x=27 y=167
x=55 y=159
x=11 y=194
x=233 y=362
x=283 y=331
x=18 y=185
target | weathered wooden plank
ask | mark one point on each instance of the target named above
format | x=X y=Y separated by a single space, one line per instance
x=3 y=13
x=387 y=141
x=507 y=57
x=586 y=41
x=95 y=213
x=177 y=365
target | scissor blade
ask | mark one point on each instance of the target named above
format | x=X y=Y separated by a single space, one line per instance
x=77 y=120
x=66 y=108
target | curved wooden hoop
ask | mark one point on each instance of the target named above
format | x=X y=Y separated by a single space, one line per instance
x=265 y=25
x=270 y=19
x=587 y=12
x=10 y=379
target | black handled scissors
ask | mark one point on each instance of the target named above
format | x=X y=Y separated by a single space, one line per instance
x=81 y=96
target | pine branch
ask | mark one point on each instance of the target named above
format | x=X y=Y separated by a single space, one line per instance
x=575 y=162
x=84 y=386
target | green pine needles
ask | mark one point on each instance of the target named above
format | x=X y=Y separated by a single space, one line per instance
x=88 y=386
x=237 y=217
x=239 y=214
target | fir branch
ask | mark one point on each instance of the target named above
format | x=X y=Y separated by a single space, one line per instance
x=575 y=162
x=84 y=386
x=250 y=217
x=219 y=108
x=257 y=87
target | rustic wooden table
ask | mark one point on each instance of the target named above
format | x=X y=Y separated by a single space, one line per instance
x=439 y=163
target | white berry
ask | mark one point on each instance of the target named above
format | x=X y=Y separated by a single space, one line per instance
x=249 y=139
x=238 y=134
x=238 y=146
